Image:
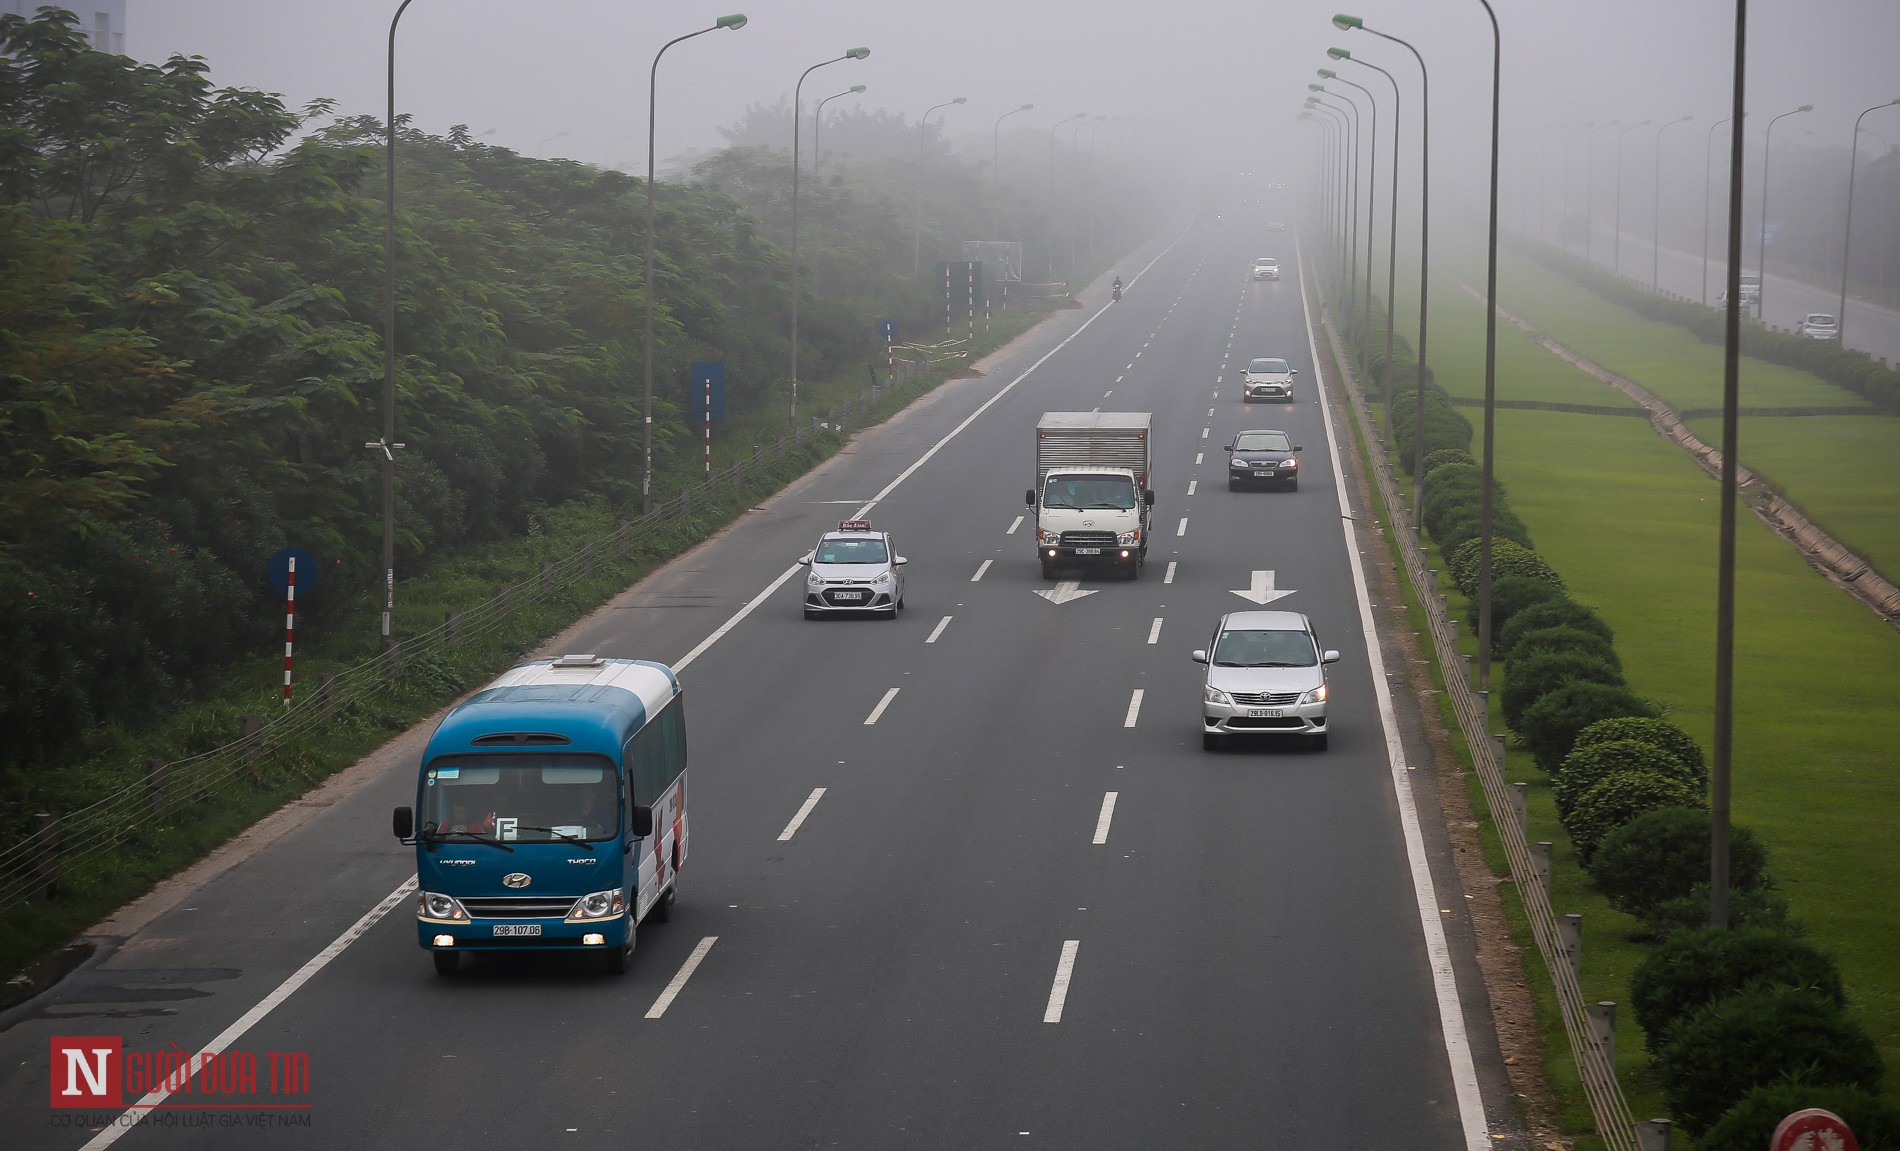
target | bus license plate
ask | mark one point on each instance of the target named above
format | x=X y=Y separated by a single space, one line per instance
x=507 y=929
x=1263 y=712
x=842 y=596
x=1088 y=551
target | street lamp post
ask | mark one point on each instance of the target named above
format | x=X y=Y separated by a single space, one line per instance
x=1349 y=23
x=1341 y=159
x=1847 y=228
x=1372 y=186
x=1392 y=232
x=1761 y=269
x=917 y=236
x=1057 y=126
x=735 y=21
x=1352 y=290
x=1616 y=226
x=818 y=123
x=1655 y=209
x=1708 y=157
x=387 y=444
x=1323 y=193
x=1487 y=498
x=996 y=156
x=797 y=94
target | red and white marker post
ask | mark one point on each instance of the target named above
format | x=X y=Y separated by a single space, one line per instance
x=290 y=622
x=1813 y=1130
x=709 y=427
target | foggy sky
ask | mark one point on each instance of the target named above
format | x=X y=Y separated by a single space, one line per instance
x=1215 y=83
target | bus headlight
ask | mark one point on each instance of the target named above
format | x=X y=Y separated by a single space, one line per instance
x=598 y=905
x=435 y=905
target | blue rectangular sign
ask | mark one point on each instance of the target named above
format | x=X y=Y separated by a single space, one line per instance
x=708 y=372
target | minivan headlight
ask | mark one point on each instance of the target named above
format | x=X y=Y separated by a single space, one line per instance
x=435 y=905
x=1317 y=695
x=599 y=905
x=1211 y=694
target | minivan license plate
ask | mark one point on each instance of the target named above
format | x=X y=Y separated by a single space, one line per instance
x=1263 y=713
x=506 y=929
x=1088 y=551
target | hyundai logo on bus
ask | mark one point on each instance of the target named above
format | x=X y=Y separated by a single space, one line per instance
x=516 y=879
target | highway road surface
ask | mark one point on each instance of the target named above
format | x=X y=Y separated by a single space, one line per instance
x=965 y=879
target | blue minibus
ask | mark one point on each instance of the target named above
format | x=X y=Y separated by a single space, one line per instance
x=551 y=811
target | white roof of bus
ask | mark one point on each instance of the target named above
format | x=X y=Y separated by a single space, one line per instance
x=654 y=683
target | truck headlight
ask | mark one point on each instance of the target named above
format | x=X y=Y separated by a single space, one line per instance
x=599 y=905
x=435 y=905
x=1126 y=538
x=1215 y=695
x=1317 y=695
x=1049 y=539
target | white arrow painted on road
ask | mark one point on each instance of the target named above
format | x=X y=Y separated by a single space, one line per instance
x=1068 y=589
x=1262 y=591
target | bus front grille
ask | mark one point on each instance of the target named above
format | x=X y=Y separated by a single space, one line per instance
x=519 y=906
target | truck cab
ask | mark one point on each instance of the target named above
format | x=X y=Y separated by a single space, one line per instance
x=1092 y=501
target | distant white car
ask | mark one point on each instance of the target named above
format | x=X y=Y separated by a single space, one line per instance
x=1268 y=378
x=1275 y=225
x=1266 y=268
x=1821 y=326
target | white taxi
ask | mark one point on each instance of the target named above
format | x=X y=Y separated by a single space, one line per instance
x=854 y=569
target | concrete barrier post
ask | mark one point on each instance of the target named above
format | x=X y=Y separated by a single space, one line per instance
x=1541 y=860
x=622 y=538
x=1653 y=1134
x=155 y=786
x=587 y=558
x=326 y=693
x=1521 y=806
x=547 y=576
x=1601 y=1016
x=452 y=627
x=1570 y=932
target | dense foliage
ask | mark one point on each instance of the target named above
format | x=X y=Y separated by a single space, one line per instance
x=1508 y=558
x=1663 y=855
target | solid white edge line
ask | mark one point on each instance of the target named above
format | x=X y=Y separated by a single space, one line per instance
x=751 y=605
x=881 y=705
x=1059 y=990
x=679 y=981
x=811 y=801
x=1106 y=817
x=1134 y=708
x=1154 y=633
x=1169 y=578
x=1464 y=1074
x=938 y=630
x=264 y=1007
x=980 y=569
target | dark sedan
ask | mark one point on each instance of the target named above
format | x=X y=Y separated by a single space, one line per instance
x=1262 y=457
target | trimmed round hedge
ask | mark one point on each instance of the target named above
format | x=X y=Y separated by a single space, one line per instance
x=1617 y=798
x=1663 y=855
x=1585 y=766
x=1508 y=558
x=1531 y=643
x=1747 y=907
x=1659 y=732
x=1564 y=613
x=1755 y=1039
x=1530 y=680
x=1447 y=456
x=1751 y=1123
x=1549 y=727
x=1513 y=594
x=1692 y=969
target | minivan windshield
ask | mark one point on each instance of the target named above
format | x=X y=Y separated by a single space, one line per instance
x=1268 y=367
x=520 y=797
x=1083 y=492
x=1264 y=649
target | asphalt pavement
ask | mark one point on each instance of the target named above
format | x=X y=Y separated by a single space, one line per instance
x=1026 y=909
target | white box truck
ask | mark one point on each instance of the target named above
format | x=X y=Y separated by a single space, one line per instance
x=1092 y=498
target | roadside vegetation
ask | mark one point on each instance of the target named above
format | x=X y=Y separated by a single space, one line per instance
x=1604 y=676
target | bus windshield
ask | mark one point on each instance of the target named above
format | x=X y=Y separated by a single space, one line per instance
x=527 y=797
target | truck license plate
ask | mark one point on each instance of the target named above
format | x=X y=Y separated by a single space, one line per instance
x=1088 y=551
x=1263 y=712
x=507 y=929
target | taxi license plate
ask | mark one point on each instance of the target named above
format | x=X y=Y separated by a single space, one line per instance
x=507 y=929
x=1263 y=713
x=842 y=596
x=1088 y=551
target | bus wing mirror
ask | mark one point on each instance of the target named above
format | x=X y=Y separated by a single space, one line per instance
x=403 y=822
x=642 y=823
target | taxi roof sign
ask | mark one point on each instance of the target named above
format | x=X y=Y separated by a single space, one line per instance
x=854 y=525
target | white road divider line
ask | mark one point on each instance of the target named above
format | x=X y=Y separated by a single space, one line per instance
x=1059 y=990
x=1134 y=708
x=980 y=569
x=881 y=705
x=1192 y=484
x=938 y=630
x=1013 y=525
x=1169 y=578
x=1210 y=411
x=679 y=981
x=811 y=801
x=1108 y=815
x=1182 y=530
x=1197 y=458
x=264 y=1007
x=1154 y=633
x=1204 y=432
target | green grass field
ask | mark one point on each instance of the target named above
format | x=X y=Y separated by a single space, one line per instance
x=1631 y=523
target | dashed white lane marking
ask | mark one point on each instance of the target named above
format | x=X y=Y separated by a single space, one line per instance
x=1169 y=578
x=1192 y=484
x=1203 y=433
x=1014 y=524
x=938 y=630
x=1108 y=393
x=881 y=705
x=811 y=801
x=1134 y=708
x=1182 y=530
x=679 y=981
x=1154 y=633
x=1108 y=815
x=980 y=569
x=1197 y=458
x=1210 y=411
x=1144 y=343
x=1137 y=356
x=1129 y=366
x=1119 y=379
x=1059 y=991
x=265 y=1006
